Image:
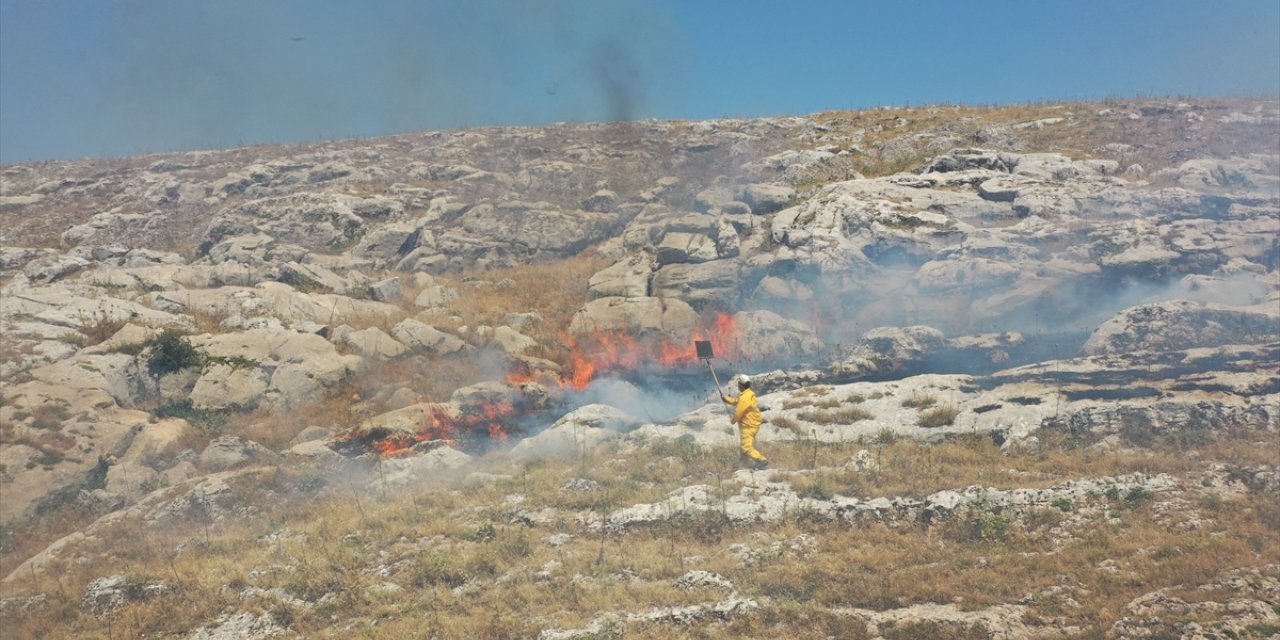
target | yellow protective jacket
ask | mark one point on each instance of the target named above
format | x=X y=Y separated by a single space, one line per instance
x=746 y=413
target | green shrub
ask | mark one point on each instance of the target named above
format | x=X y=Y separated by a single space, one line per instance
x=172 y=351
x=207 y=421
x=1136 y=497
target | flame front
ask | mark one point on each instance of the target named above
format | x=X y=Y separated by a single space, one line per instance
x=619 y=352
x=591 y=355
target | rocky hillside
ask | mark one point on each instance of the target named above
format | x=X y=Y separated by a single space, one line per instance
x=1018 y=367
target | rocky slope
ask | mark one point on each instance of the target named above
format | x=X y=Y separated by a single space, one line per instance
x=376 y=315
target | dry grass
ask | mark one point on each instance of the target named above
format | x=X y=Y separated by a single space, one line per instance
x=842 y=415
x=554 y=290
x=919 y=402
x=938 y=417
x=469 y=565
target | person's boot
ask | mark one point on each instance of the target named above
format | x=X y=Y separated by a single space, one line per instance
x=760 y=465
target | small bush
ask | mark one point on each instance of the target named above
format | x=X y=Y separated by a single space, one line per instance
x=209 y=422
x=919 y=402
x=846 y=415
x=1136 y=497
x=482 y=533
x=983 y=523
x=172 y=351
x=95 y=328
x=818 y=487
x=49 y=416
x=783 y=422
x=234 y=362
x=708 y=526
x=938 y=417
x=685 y=448
x=886 y=436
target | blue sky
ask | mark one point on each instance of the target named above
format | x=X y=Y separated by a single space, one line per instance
x=118 y=77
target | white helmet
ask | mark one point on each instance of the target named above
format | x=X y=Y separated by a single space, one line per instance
x=743 y=380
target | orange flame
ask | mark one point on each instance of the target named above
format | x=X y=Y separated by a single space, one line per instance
x=589 y=356
x=490 y=420
x=618 y=351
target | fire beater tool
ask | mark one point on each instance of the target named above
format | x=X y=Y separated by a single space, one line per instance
x=705 y=354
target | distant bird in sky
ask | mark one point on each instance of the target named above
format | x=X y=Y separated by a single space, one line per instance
x=297 y=38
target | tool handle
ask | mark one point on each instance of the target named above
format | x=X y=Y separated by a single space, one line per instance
x=717 y=381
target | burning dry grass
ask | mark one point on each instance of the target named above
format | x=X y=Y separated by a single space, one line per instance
x=510 y=556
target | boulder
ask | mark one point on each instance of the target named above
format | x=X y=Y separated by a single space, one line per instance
x=311 y=277
x=775 y=288
x=388 y=243
x=768 y=198
x=1183 y=324
x=575 y=433
x=159 y=441
x=686 y=247
x=435 y=296
x=627 y=278
x=511 y=342
x=313 y=450
x=374 y=343
x=727 y=243
x=640 y=317
x=230 y=386
x=484 y=393
x=228 y=452
x=709 y=200
x=901 y=344
x=311 y=434
x=522 y=321
x=602 y=201
x=708 y=284
x=531 y=228
x=773 y=338
x=55 y=268
x=388 y=290
x=966 y=159
x=421 y=337
x=302 y=366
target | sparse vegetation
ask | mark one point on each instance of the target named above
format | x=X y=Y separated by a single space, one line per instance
x=843 y=415
x=784 y=422
x=920 y=402
x=458 y=563
x=938 y=417
x=49 y=415
x=209 y=422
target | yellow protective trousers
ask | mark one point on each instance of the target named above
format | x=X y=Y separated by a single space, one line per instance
x=748 y=433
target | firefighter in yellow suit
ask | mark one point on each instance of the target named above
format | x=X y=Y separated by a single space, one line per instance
x=747 y=416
